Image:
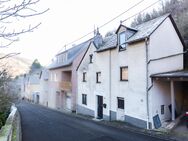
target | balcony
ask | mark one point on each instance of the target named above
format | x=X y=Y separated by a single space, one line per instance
x=65 y=86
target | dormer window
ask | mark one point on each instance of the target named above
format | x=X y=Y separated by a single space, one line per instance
x=122 y=37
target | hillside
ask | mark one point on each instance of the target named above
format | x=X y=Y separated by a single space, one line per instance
x=15 y=65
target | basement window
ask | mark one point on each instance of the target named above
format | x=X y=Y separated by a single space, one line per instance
x=120 y=102
x=162 y=109
x=84 y=99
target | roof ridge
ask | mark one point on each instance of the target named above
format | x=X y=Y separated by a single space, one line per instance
x=73 y=47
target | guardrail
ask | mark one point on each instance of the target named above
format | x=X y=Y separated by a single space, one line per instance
x=11 y=131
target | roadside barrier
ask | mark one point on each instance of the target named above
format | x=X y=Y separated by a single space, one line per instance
x=11 y=131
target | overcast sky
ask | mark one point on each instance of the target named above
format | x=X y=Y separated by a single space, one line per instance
x=68 y=20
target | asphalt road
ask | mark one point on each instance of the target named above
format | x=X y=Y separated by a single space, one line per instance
x=42 y=124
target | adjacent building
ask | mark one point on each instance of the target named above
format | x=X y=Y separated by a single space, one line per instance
x=129 y=76
x=44 y=87
x=30 y=88
x=63 y=78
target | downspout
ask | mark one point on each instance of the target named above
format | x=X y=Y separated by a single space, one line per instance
x=110 y=67
x=147 y=72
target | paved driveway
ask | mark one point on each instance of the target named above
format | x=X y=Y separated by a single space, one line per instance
x=42 y=124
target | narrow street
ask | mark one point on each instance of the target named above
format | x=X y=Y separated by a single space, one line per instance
x=42 y=124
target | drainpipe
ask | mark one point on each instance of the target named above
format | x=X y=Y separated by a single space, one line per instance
x=110 y=67
x=147 y=72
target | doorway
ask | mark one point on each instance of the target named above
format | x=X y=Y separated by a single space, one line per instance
x=99 y=107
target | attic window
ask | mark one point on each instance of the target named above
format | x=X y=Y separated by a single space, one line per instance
x=122 y=40
x=123 y=37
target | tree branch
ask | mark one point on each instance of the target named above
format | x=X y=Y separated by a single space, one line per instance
x=9 y=55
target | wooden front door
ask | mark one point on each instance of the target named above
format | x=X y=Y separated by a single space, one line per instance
x=100 y=107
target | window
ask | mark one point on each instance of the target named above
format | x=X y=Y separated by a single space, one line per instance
x=84 y=99
x=120 y=103
x=122 y=40
x=124 y=73
x=55 y=77
x=84 y=77
x=162 y=109
x=98 y=77
x=91 y=58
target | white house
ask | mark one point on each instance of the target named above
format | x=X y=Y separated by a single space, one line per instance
x=44 y=87
x=117 y=77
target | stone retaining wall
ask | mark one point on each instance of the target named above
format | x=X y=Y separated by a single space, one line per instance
x=11 y=131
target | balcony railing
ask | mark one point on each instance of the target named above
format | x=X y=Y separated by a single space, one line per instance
x=65 y=86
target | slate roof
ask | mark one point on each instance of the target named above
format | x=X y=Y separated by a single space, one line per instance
x=72 y=53
x=146 y=29
x=142 y=31
x=109 y=43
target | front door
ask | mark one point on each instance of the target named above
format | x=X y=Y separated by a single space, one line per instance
x=100 y=107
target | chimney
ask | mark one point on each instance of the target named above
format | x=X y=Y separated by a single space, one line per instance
x=98 y=40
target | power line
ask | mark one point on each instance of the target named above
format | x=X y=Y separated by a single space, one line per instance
x=121 y=14
x=106 y=23
x=142 y=10
x=116 y=18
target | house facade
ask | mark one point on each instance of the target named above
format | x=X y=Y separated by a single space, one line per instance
x=44 y=87
x=63 y=78
x=115 y=76
x=30 y=88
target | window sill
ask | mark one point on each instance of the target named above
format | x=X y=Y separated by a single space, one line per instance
x=123 y=80
x=122 y=49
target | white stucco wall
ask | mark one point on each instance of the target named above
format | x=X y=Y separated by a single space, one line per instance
x=162 y=43
x=44 y=90
x=165 y=42
x=133 y=90
x=90 y=87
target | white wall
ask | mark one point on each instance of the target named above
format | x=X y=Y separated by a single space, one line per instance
x=162 y=43
x=133 y=90
x=165 y=42
x=90 y=87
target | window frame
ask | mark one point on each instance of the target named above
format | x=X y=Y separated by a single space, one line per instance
x=121 y=76
x=119 y=106
x=97 y=77
x=162 y=109
x=91 y=58
x=84 y=99
x=84 y=77
x=119 y=41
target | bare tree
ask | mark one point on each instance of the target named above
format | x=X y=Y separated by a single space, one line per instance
x=12 y=12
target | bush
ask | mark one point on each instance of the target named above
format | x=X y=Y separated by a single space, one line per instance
x=3 y=116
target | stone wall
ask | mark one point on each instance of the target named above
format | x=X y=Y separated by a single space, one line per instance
x=11 y=131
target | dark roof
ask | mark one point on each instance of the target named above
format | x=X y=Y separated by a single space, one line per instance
x=108 y=43
x=142 y=31
x=174 y=74
x=72 y=53
x=129 y=28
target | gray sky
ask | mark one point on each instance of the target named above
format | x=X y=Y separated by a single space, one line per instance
x=68 y=20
